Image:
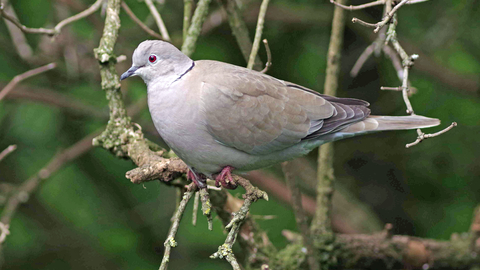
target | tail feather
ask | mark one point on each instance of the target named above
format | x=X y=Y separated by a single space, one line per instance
x=378 y=123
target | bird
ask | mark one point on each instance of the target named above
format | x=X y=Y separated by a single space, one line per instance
x=219 y=118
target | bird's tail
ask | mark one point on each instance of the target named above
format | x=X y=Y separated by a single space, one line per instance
x=378 y=123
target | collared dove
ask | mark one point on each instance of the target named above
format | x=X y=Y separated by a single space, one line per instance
x=219 y=117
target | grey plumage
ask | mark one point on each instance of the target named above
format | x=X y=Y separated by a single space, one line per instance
x=214 y=114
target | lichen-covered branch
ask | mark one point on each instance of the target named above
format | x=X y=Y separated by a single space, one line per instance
x=187 y=16
x=251 y=195
x=170 y=242
x=300 y=216
x=195 y=27
x=321 y=223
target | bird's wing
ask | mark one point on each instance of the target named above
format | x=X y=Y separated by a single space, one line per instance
x=259 y=114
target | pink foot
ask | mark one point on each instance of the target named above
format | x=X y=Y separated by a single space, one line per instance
x=200 y=182
x=225 y=179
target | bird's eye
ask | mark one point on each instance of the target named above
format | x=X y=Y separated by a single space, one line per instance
x=152 y=58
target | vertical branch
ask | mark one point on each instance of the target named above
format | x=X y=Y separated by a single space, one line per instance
x=258 y=33
x=300 y=216
x=240 y=31
x=321 y=221
x=187 y=16
x=196 y=27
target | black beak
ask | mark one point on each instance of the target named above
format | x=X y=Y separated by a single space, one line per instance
x=128 y=73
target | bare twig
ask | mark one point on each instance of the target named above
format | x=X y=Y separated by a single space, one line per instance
x=422 y=136
x=57 y=162
x=300 y=216
x=3 y=232
x=139 y=22
x=9 y=87
x=195 y=208
x=7 y=151
x=362 y=59
x=258 y=33
x=170 y=242
x=399 y=88
x=269 y=57
x=187 y=16
x=195 y=27
x=18 y=37
x=384 y=21
x=56 y=30
x=371 y=4
x=158 y=20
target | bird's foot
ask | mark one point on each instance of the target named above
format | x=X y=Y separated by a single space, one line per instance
x=199 y=179
x=225 y=179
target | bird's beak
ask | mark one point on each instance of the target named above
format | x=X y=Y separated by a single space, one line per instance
x=128 y=73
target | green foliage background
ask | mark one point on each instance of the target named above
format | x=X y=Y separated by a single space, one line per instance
x=89 y=216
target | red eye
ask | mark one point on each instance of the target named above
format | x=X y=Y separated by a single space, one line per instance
x=152 y=58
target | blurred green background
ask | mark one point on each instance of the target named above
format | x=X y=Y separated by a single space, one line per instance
x=89 y=216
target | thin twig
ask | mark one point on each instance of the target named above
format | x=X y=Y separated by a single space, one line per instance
x=195 y=27
x=258 y=33
x=7 y=151
x=269 y=57
x=300 y=217
x=372 y=4
x=9 y=87
x=3 y=232
x=195 y=208
x=398 y=88
x=57 y=162
x=158 y=20
x=56 y=30
x=422 y=136
x=139 y=22
x=170 y=242
x=384 y=21
x=18 y=37
x=362 y=59
x=187 y=16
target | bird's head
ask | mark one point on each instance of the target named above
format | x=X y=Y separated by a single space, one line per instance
x=156 y=59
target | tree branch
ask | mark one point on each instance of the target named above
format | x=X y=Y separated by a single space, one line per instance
x=240 y=31
x=139 y=22
x=7 y=151
x=158 y=20
x=9 y=87
x=170 y=242
x=196 y=27
x=300 y=217
x=187 y=16
x=258 y=33
x=321 y=223
x=56 y=30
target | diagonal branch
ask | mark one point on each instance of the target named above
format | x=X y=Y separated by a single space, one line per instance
x=195 y=27
x=7 y=151
x=9 y=87
x=139 y=22
x=158 y=20
x=56 y=30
